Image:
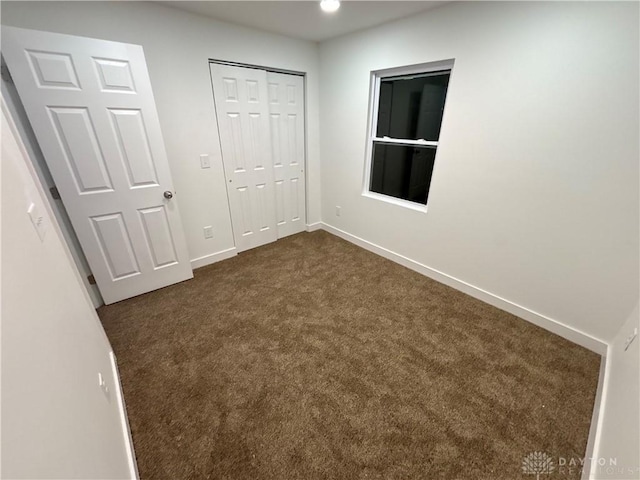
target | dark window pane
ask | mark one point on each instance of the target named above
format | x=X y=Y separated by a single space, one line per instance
x=412 y=108
x=402 y=171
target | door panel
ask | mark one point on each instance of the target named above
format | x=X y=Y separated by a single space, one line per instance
x=114 y=75
x=158 y=236
x=243 y=121
x=135 y=153
x=286 y=111
x=295 y=199
x=246 y=227
x=115 y=245
x=92 y=109
x=79 y=145
x=53 y=70
x=280 y=202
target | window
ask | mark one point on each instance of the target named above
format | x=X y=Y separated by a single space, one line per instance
x=407 y=106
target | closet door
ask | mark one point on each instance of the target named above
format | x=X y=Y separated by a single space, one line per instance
x=242 y=111
x=286 y=116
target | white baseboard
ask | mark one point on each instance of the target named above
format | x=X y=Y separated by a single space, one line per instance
x=213 y=258
x=124 y=419
x=593 y=441
x=576 y=336
x=312 y=227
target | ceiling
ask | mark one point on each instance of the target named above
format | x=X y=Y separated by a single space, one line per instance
x=304 y=19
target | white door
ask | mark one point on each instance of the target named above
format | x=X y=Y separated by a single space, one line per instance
x=243 y=122
x=92 y=109
x=286 y=116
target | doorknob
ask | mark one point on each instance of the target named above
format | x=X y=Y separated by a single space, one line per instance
x=168 y=195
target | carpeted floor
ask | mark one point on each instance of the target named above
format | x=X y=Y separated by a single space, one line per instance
x=311 y=358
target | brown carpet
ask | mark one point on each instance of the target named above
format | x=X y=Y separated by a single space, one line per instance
x=311 y=358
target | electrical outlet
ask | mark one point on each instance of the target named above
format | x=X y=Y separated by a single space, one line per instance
x=338 y=211
x=208 y=232
x=205 y=162
x=630 y=339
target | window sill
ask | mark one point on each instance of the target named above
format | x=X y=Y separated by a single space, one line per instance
x=418 y=207
x=399 y=141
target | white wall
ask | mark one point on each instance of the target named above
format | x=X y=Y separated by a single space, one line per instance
x=618 y=436
x=534 y=197
x=177 y=46
x=56 y=421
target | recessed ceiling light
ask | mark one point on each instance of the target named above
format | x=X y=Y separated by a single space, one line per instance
x=330 y=5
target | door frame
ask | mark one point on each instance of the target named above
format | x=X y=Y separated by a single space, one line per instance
x=306 y=133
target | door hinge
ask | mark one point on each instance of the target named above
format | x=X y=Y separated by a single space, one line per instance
x=55 y=194
x=6 y=74
x=91 y=279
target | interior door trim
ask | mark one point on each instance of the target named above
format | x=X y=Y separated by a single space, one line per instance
x=258 y=67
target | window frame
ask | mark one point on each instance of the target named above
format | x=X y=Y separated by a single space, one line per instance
x=372 y=125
